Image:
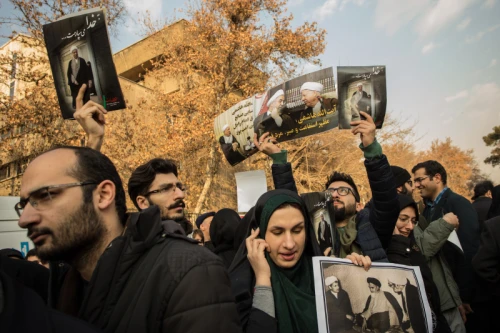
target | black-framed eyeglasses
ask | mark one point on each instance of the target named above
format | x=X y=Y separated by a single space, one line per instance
x=167 y=189
x=342 y=191
x=39 y=198
x=419 y=179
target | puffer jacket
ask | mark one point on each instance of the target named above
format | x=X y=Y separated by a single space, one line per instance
x=151 y=279
x=430 y=238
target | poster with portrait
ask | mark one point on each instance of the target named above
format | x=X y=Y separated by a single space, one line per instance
x=80 y=53
x=386 y=298
x=303 y=106
x=361 y=88
x=322 y=215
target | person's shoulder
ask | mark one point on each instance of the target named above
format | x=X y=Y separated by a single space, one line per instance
x=455 y=197
x=180 y=249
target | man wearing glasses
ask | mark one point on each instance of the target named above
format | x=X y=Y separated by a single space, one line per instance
x=430 y=180
x=430 y=238
x=360 y=235
x=156 y=183
x=124 y=274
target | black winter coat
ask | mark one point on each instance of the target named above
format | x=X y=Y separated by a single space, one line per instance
x=482 y=206
x=151 y=279
x=487 y=260
x=23 y=311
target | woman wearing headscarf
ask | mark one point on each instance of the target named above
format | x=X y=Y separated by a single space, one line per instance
x=272 y=274
x=222 y=233
x=404 y=250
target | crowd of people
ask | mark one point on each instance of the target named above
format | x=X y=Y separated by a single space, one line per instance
x=117 y=271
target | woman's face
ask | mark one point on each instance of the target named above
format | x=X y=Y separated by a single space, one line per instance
x=286 y=236
x=406 y=221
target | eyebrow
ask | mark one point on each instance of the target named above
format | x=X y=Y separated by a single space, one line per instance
x=276 y=227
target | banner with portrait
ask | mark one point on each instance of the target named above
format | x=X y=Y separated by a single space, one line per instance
x=386 y=298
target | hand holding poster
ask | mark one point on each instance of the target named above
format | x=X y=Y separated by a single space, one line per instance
x=386 y=298
x=80 y=54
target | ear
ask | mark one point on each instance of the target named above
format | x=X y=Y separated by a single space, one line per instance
x=105 y=194
x=142 y=202
x=399 y=189
x=359 y=207
x=437 y=178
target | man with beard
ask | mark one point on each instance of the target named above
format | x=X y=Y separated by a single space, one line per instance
x=338 y=306
x=140 y=278
x=408 y=298
x=274 y=119
x=359 y=234
x=78 y=75
x=156 y=183
x=230 y=145
x=379 y=307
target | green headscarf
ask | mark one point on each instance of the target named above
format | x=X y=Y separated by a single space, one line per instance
x=293 y=288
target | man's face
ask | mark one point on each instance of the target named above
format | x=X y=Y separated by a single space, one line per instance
x=310 y=98
x=373 y=288
x=360 y=88
x=278 y=102
x=334 y=287
x=62 y=227
x=227 y=132
x=75 y=54
x=423 y=182
x=398 y=288
x=406 y=188
x=171 y=203
x=345 y=206
x=205 y=227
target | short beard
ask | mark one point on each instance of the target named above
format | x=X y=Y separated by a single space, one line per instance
x=344 y=213
x=76 y=239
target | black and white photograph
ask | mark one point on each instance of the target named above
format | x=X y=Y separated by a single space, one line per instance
x=361 y=89
x=80 y=54
x=386 y=298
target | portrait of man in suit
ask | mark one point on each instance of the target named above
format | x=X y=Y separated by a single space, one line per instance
x=360 y=101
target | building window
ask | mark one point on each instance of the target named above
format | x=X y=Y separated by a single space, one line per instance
x=5 y=171
x=12 y=89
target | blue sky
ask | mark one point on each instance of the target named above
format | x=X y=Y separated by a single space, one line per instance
x=442 y=58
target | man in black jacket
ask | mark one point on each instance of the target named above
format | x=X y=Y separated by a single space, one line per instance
x=430 y=179
x=481 y=201
x=373 y=226
x=139 y=274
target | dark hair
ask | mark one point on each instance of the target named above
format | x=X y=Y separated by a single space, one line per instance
x=31 y=253
x=482 y=188
x=495 y=203
x=93 y=166
x=142 y=177
x=198 y=232
x=343 y=177
x=431 y=169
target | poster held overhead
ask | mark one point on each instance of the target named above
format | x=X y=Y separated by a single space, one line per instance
x=387 y=297
x=361 y=88
x=300 y=107
x=80 y=53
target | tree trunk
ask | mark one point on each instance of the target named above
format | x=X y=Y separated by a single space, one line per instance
x=210 y=173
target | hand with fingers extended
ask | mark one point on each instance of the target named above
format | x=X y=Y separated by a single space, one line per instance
x=365 y=128
x=256 y=249
x=359 y=260
x=91 y=117
x=266 y=144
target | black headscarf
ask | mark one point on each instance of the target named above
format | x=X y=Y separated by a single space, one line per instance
x=495 y=203
x=222 y=233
